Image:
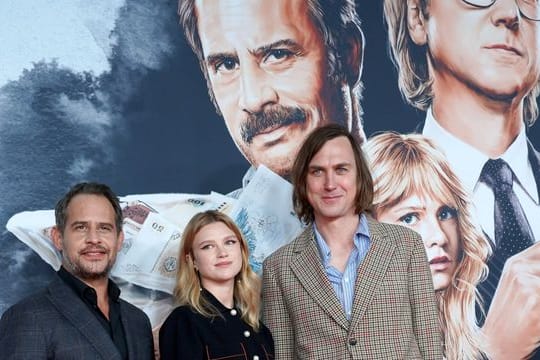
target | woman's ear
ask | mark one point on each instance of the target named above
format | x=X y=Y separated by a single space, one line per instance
x=416 y=22
x=190 y=260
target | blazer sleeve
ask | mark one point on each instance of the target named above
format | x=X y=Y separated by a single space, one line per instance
x=275 y=315
x=177 y=339
x=423 y=303
x=21 y=336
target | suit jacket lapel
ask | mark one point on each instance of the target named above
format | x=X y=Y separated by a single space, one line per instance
x=534 y=160
x=131 y=343
x=71 y=306
x=307 y=266
x=372 y=270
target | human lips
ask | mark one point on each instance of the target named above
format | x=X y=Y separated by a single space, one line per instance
x=440 y=262
x=223 y=263
x=272 y=135
x=505 y=48
x=331 y=198
x=94 y=252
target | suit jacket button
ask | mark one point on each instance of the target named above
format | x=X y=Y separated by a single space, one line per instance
x=352 y=342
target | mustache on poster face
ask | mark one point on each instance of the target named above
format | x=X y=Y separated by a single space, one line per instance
x=270 y=117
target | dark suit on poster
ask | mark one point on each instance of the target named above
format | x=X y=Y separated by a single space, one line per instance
x=56 y=324
x=393 y=294
x=534 y=160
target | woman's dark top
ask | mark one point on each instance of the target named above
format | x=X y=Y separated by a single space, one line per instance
x=190 y=335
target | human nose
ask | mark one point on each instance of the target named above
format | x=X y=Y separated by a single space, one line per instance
x=329 y=181
x=506 y=13
x=256 y=90
x=222 y=251
x=434 y=234
x=93 y=235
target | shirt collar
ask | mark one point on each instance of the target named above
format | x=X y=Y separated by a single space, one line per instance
x=324 y=250
x=215 y=304
x=469 y=171
x=248 y=176
x=517 y=157
x=86 y=292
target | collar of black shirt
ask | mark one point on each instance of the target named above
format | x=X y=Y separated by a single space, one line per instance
x=87 y=293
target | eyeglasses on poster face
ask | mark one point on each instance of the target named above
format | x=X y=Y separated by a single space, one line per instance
x=529 y=9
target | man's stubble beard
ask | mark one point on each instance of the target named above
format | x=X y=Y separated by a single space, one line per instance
x=85 y=272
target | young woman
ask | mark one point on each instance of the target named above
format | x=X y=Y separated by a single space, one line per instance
x=218 y=296
x=415 y=187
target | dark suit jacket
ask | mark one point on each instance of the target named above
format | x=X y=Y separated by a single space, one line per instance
x=56 y=324
x=534 y=160
x=394 y=312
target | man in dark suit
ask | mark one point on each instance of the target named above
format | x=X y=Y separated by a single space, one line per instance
x=80 y=315
x=474 y=66
x=348 y=287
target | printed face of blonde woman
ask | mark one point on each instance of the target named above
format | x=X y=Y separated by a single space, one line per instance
x=216 y=255
x=437 y=223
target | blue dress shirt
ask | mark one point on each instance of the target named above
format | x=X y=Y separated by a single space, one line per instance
x=343 y=283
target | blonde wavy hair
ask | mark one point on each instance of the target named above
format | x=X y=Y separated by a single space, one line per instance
x=411 y=61
x=403 y=165
x=247 y=285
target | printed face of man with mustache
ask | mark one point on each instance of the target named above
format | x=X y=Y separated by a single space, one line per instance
x=90 y=240
x=268 y=70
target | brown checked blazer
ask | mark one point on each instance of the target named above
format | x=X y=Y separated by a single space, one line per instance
x=394 y=312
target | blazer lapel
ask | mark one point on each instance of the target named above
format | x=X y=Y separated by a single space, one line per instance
x=372 y=270
x=307 y=266
x=129 y=329
x=534 y=160
x=75 y=311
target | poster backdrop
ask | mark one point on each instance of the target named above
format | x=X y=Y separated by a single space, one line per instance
x=111 y=91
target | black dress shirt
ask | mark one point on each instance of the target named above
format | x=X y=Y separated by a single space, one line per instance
x=190 y=335
x=88 y=295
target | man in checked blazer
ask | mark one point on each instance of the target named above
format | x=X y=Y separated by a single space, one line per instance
x=80 y=315
x=348 y=287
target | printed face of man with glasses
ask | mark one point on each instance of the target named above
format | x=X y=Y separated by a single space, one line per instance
x=488 y=48
x=474 y=67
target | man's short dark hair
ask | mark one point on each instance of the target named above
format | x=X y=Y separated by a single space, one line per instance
x=87 y=188
x=311 y=146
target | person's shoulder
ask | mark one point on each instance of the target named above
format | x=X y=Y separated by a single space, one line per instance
x=183 y=316
x=30 y=307
x=132 y=310
x=182 y=312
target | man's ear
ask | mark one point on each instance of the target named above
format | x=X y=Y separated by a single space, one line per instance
x=416 y=22
x=355 y=55
x=56 y=235
x=120 y=240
